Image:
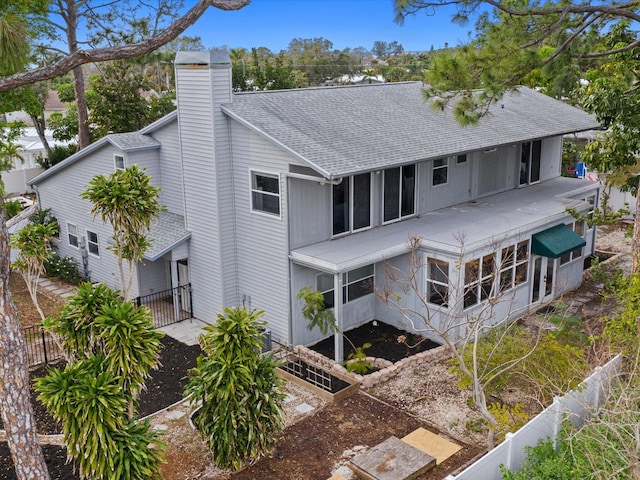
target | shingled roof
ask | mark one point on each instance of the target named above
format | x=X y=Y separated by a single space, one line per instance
x=341 y=131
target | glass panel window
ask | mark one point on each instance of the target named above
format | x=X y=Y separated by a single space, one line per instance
x=265 y=193
x=440 y=171
x=92 y=243
x=514 y=268
x=119 y=162
x=438 y=282
x=461 y=159
x=577 y=227
x=479 y=277
x=72 y=234
x=530 y=158
x=351 y=200
x=324 y=285
x=358 y=283
x=399 y=192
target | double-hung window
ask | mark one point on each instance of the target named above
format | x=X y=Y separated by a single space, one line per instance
x=514 y=265
x=119 y=162
x=265 y=193
x=72 y=234
x=440 y=172
x=530 y=156
x=438 y=282
x=351 y=200
x=92 y=243
x=399 y=192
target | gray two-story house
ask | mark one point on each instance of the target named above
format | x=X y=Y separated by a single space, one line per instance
x=268 y=192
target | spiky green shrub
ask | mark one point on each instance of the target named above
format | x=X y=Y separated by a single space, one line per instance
x=86 y=398
x=239 y=391
x=113 y=345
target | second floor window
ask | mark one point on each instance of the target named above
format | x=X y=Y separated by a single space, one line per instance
x=530 y=157
x=72 y=234
x=351 y=201
x=265 y=193
x=440 y=172
x=399 y=192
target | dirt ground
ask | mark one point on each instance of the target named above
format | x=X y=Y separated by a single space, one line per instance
x=316 y=444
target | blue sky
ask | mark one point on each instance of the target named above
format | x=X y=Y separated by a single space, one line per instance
x=346 y=23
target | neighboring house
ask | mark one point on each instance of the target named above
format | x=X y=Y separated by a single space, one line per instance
x=25 y=168
x=268 y=192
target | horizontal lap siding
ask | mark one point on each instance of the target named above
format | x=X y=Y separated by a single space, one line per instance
x=262 y=250
x=309 y=212
x=61 y=193
x=197 y=151
x=171 y=193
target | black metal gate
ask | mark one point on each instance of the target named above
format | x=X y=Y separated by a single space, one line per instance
x=169 y=306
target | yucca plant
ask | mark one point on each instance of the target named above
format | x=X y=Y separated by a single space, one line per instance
x=238 y=389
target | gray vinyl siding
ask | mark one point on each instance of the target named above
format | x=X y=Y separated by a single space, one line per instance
x=63 y=197
x=551 y=160
x=495 y=170
x=262 y=247
x=171 y=193
x=154 y=277
x=197 y=139
x=309 y=212
x=146 y=160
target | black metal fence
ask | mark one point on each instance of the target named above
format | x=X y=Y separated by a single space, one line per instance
x=169 y=306
x=40 y=345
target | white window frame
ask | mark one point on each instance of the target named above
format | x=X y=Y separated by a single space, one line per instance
x=74 y=235
x=91 y=243
x=434 y=283
x=253 y=190
x=444 y=166
x=513 y=264
x=116 y=162
x=530 y=163
x=462 y=159
x=326 y=291
x=347 y=282
x=482 y=284
x=400 y=193
x=581 y=229
x=351 y=205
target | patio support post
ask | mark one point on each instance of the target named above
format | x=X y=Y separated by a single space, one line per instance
x=338 y=312
x=175 y=291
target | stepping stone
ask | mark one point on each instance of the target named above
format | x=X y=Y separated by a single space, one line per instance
x=289 y=398
x=44 y=283
x=161 y=427
x=393 y=459
x=175 y=414
x=304 y=408
x=431 y=444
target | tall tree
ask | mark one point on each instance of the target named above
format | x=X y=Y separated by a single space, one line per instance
x=75 y=16
x=128 y=202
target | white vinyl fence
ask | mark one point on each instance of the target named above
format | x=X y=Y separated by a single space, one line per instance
x=573 y=406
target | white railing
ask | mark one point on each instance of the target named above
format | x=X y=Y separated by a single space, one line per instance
x=574 y=406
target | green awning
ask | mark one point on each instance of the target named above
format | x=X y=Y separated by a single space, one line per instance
x=556 y=241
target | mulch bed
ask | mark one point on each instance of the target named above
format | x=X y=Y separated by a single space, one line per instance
x=164 y=388
x=383 y=339
x=325 y=436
